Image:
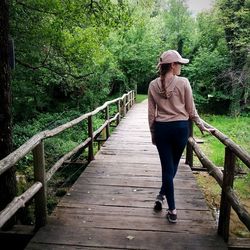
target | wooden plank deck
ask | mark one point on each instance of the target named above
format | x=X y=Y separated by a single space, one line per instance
x=110 y=205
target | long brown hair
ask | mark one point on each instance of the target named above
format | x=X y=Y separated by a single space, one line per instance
x=163 y=70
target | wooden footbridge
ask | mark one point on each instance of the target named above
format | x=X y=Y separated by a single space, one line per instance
x=110 y=206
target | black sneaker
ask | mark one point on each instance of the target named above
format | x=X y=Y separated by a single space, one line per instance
x=158 y=202
x=172 y=218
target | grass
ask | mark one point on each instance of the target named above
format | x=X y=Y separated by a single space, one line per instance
x=237 y=129
x=140 y=98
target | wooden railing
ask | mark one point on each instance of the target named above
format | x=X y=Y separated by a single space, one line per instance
x=225 y=179
x=36 y=145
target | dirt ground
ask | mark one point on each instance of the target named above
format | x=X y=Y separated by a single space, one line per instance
x=212 y=193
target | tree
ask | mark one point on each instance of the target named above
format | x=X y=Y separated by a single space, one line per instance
x=209 y=60
x=136 y=50
x=62 y=54
x=234 y=16
x=7 y=180
x=179 y=26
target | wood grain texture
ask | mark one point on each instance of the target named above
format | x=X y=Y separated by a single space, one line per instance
x=111 y=204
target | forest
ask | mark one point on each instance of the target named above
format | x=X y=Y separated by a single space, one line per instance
x=71 y=56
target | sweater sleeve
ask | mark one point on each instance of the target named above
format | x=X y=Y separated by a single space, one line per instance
x=151 y=110
x=190 y=107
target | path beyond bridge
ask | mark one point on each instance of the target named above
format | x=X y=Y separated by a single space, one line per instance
x=110 y=206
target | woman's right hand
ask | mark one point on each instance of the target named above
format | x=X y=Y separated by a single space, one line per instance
x=209 y=130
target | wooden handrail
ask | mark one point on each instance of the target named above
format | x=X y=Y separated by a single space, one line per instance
x=59 y=163
x=228 y=197
x=23 y=150
x=212 y=169
x=19 y=153
x=18 y=202
x=35 y=144
x=240 y=152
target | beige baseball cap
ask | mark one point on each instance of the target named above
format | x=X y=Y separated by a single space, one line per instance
x=171 y=56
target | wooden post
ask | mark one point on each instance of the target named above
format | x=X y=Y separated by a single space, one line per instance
x=41 y=196
x=124 y=106
x=225 y=206
x=130 y=100
x=90 y=134
x=189 y=150
x=107 y=119
x=119 y=112
x=99 y=145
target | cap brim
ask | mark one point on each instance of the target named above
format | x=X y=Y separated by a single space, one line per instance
x=184 y=61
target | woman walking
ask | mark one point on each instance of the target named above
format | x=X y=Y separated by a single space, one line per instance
x=170 y=106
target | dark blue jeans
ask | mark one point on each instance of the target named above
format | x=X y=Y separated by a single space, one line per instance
x=171 y=139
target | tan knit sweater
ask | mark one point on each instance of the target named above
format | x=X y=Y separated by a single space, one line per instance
x=178 y=105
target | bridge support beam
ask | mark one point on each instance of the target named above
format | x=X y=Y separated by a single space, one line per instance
x=40 y=176
x=225 y=207
x=189 y=149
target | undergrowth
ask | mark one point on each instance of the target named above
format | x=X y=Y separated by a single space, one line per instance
x=55 y=148
x=237 y=129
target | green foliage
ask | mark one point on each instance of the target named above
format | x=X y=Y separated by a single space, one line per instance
x=25 y=130
x=61 y=54
x=140 y=98
x=236 y=128
x=178 y=26
x=235 y=21
x=242 y=185
x=136 y=52
x=77 y=53
x=210 y=34
x=209 y=63
x=206 y=74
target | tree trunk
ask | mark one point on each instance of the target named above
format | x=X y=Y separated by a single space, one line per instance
x=180 y=45
x=234 y=22
x=8 y=179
